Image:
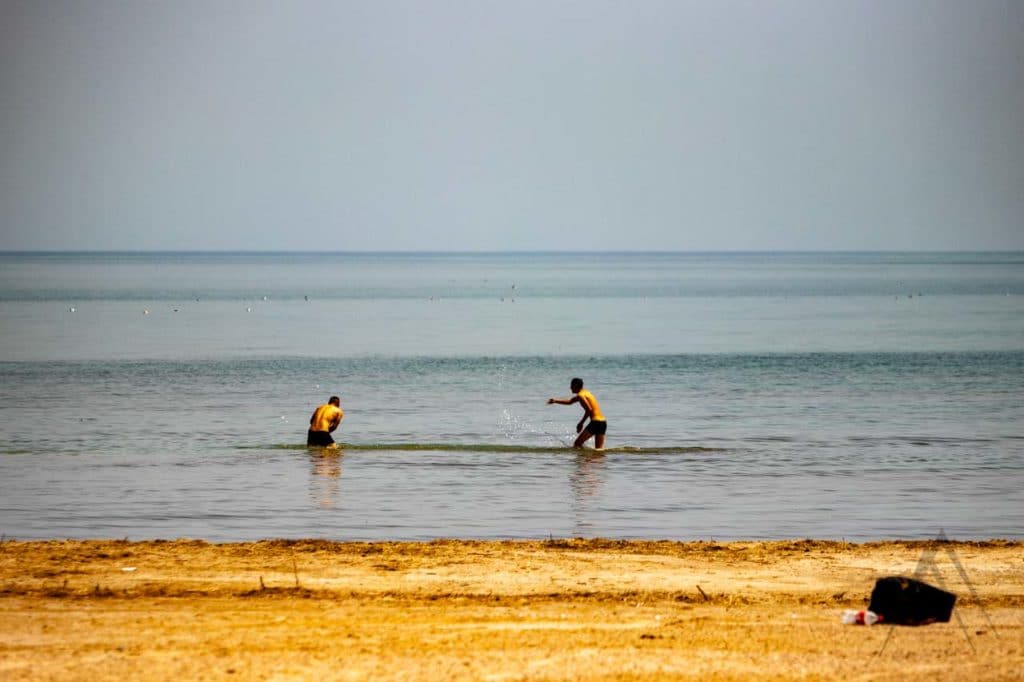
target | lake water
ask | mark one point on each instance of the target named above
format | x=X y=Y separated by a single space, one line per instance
x=857 y=396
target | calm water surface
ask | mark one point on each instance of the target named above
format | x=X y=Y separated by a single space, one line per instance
x=748 y=395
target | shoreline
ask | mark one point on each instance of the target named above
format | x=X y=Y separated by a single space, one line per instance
x=488 y=609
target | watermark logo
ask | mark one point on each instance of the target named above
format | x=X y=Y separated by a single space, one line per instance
x=929 y=571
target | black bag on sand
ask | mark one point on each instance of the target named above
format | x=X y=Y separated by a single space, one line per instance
x=905 y=601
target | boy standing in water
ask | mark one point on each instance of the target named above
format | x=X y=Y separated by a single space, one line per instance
x=324 y=420
x=597 y=426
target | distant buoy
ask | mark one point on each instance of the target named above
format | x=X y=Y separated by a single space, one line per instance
x=71 y=309
x=248 y=310
x=145 y=312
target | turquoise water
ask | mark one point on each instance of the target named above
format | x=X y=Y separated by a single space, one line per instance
x=748 y=395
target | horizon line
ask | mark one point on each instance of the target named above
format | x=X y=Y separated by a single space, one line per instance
x=500 y=252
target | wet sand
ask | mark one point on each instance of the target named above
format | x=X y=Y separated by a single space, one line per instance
x=555 y=610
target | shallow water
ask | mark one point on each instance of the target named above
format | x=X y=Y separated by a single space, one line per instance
x=748 y=395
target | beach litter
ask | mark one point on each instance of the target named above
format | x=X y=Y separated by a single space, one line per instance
x=907 y=601
x=862 y=617
x=897 y=600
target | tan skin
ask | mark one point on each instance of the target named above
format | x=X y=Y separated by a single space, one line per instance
x=587 y=414
x=335 y=419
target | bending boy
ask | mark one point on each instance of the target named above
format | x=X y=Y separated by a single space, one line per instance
x=591 y=410
x=324 y=420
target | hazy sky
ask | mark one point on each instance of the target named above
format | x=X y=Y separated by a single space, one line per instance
x=477 y=125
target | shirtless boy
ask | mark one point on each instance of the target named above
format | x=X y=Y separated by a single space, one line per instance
x=591 y=410
x=324 y=420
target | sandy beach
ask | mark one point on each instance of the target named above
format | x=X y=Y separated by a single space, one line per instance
x=517 y=610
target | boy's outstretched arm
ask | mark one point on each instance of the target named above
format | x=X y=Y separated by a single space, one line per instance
x=563 y=401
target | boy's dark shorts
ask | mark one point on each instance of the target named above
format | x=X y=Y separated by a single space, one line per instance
x=320 y=438
x=597 y=428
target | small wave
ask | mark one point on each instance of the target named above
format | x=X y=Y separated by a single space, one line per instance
x=500 y=448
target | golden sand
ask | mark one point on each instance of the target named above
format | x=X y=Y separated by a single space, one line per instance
x=522 y=610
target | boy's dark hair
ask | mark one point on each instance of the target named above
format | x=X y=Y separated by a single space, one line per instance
x=576 y=384
x=335 y=400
